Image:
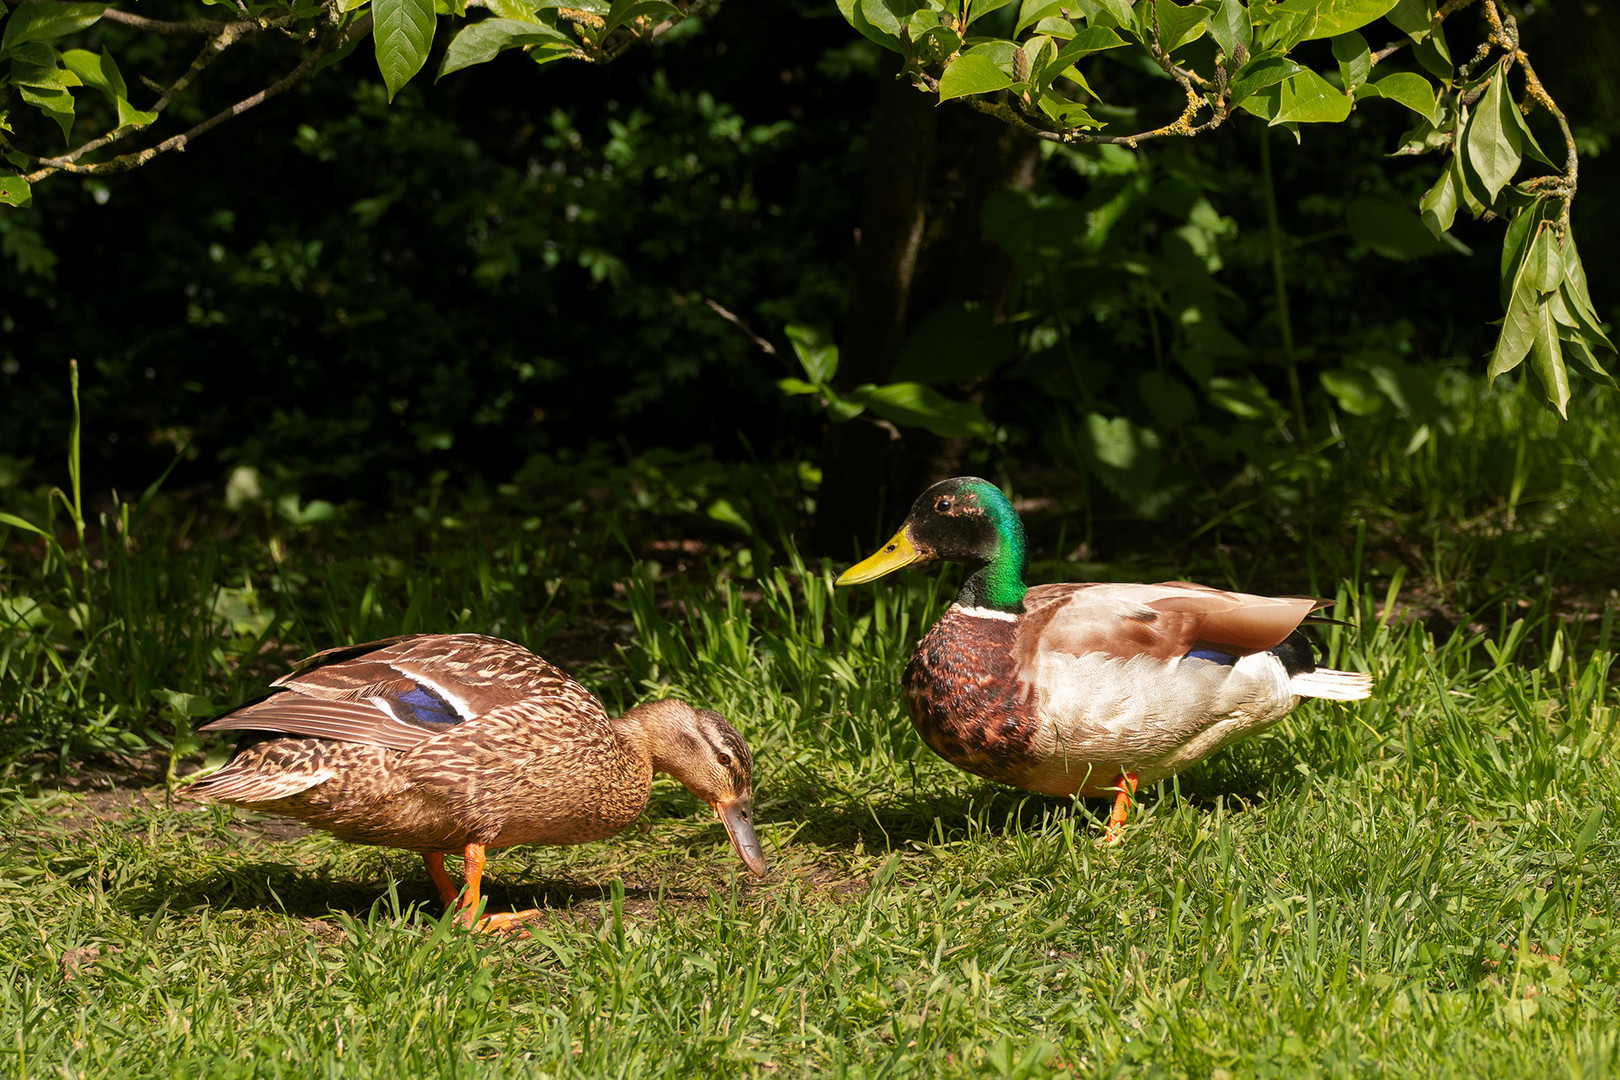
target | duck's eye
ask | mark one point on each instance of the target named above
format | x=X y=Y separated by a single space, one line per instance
x=724 y=759
x=942 y=505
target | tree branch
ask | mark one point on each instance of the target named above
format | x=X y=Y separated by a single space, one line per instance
x=229 y=35
x=1505 y=35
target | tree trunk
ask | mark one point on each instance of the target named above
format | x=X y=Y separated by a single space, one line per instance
x=921 y=244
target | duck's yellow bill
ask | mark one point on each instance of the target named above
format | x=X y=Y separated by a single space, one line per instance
x=892 y=556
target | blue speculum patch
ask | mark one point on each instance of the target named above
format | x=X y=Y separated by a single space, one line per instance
x=420 y=705
x=1211 y=654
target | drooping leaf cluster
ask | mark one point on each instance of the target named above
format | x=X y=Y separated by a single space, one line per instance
x=1027 y=65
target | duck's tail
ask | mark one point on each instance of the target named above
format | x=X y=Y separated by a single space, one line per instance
x=1333 y=685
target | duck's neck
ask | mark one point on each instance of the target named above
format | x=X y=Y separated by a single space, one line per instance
x=998 y=582
x=636 y=731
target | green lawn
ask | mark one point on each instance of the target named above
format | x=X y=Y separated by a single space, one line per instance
x=1422 y=884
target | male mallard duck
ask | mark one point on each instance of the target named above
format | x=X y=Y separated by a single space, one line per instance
x=1081 y=689
x=460 y=744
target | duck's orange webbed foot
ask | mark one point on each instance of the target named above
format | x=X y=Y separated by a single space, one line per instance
x=500 y=922
x=1126 y=783
x=448 y=893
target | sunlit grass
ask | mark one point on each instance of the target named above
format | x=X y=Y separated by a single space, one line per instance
x=1422 y=884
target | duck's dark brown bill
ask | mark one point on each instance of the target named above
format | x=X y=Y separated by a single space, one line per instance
x=738 y=818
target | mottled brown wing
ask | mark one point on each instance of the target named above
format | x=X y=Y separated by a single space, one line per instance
x=1162 y=621
x=345 y=721
x=401 y=691
x=473 y=673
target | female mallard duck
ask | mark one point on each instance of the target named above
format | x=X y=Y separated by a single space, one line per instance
x=1081 y=689
x=460 y=744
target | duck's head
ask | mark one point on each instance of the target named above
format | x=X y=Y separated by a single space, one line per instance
x=705 y=753
x=965 y=520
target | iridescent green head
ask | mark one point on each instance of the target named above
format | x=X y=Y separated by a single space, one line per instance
x=965 y=520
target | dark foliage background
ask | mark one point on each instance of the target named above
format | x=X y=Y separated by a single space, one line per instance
x=360 y=299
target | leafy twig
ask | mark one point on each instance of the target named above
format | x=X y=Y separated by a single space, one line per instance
x=228 y=35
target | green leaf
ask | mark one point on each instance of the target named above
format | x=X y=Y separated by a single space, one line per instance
x=1575 y=293
x=1033 y=11
x=1391 y=229
x=1355 y=59
x=1335 y=17
x=1515 y=243
x=1111 y=13
x=1547 y=360
x=915 y=405
x=624 y=11
x=839 y=408
x=882 y=14
x=1439 y=203
x=1092 y=39
x=55 y=103
x=45 y=21
x=1576 y=346
x=1178 y=25
x=1435 y=56
x=1002 y=53
x=1034 y=57
x=480 y=42
x=43 y=77
x=130 y=116
x=1267 y=69
x=817 y=355
x=1356 y=391
x=96 y=70
x=1283 y=28
x=12 y=519
x=972 y=73
x=1413 y=17
x=35 y=52
x=1243 y=397
x=1411 y=90
x=984 y=7
x=855 y=12
x=954 y=343
x=1088 y=41
x=521 y=10
x=1168 y=397
x=1123 y=456
x=1264 y=103
x=1493 y=147
x=1518 y=333
x=100 y=71
x=1068 y=113
x=1544 y=265
x=1470 y=188
x=14 y=190
x=1527 y=139
x=1307 y=98
x=401 y=35
x=1231 y=29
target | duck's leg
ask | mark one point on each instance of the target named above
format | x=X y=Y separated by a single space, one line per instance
x=441 y=880
x=473 y=859
x=1126 y=783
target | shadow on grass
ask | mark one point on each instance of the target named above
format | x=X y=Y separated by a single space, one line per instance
x=842 y=820
x=283 y=888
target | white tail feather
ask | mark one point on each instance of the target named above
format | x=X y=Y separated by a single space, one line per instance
x=1334 y=685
